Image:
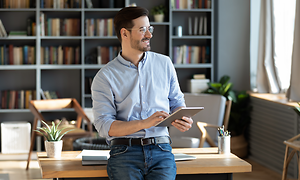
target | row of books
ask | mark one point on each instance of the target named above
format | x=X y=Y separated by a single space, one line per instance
x=105 y=4
x=60 y=4
x=49 y=94
x=60 y=55
x=16 y=99
x=3 y=32
x=191 y=4
x=191 y=54
x=198 y=25
x=13 y=55
x=99 y=27
x=59 y=27
x=103 y=55
x=17 y=4
x=31 y=27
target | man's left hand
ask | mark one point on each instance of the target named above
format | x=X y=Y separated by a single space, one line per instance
x=183 y=124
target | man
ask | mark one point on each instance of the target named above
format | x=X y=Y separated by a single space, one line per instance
x=130 y=95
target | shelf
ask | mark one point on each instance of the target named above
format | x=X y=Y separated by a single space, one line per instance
x=18 y=67
x=14 y=110
x=18 y=10
x=57 y=66
x=102 y=9
x=18 y=38
x=63 y=10
x=191 y=37
x=192 y=66
x=60 y=37
x=191 y=10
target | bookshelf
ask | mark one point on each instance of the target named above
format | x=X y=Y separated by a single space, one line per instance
x=70 y=79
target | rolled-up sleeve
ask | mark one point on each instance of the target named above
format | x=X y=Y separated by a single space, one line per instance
x=176 y=97
x=103 y=104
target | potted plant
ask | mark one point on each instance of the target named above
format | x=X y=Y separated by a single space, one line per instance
x=53 y=135
x=239 y=118
x=159 y=13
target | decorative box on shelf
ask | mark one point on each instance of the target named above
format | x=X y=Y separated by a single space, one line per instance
x=197 y=85
x=15 y=137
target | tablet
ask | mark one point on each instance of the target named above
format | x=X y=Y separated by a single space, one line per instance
x=187 y=111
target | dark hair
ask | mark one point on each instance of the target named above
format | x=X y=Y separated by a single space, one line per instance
x=124 y=18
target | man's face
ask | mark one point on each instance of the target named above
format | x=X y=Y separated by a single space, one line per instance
x=140 y=40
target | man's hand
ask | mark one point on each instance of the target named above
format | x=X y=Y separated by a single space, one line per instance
x=183 y=125
x=154 y=119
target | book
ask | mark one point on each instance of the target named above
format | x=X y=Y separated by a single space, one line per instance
x=201 y=25
x=94 y=157
x=190 y=26
x=2 y=29
x=89 y=3
x=196 y=26
x=18 y=33
x=199 y=76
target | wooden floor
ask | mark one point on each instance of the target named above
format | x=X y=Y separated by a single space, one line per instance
x=16 y=171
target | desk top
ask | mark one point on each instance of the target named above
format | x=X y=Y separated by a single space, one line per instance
x=208 y=161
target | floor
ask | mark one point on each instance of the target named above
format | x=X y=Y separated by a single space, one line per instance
x=16 y=171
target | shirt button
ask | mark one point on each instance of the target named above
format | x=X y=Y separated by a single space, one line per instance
x=142 y=86
x=143 y=102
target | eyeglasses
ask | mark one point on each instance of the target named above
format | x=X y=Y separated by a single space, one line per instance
x=144 y=29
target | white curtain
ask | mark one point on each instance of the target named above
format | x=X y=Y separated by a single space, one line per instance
x=266 y=77
x=293 y=92
x=271 y=45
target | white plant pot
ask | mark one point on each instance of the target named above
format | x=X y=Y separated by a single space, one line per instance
x=159 y=17
x=53 y=148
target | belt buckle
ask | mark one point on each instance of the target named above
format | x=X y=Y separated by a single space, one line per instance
x=147 y=143
x=142 y=142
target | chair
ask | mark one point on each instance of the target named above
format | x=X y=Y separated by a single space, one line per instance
x=215 y=112
x=205 y=137
x=36 y=106
x=295 y=146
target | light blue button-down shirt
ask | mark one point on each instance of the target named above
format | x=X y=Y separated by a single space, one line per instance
x=122 y=91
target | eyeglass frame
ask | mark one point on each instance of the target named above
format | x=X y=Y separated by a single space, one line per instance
x=143 y=29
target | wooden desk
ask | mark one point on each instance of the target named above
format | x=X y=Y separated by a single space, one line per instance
x=209 y=164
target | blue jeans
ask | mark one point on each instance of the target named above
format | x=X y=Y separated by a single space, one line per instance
x=137 y=162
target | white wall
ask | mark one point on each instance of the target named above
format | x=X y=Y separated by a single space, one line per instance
x=233 y=41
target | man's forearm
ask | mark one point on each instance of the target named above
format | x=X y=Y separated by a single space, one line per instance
x=123 y=128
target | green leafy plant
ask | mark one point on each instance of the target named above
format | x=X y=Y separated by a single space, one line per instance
x=52 y=133
x=161 y=9
x=297 y=109
x=239 y=117
x=223 y=87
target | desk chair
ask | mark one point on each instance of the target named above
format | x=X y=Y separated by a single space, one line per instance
x=213 y=113
x=295 y=145
x=36 y=106
x=205 y=137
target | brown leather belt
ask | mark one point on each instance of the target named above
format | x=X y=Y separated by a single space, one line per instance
x=140 y=141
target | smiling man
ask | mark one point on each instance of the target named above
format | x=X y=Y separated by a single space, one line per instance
x=130 y=95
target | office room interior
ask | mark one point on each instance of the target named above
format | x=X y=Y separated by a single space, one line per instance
x=233 y=39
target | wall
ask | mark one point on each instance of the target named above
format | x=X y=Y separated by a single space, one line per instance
x=232 y=31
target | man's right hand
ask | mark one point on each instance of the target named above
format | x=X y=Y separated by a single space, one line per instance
x=155 y=118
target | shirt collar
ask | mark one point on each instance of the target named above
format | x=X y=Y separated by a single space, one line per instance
x=128 y=63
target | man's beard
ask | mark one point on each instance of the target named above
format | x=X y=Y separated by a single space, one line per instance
x=136 y=44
